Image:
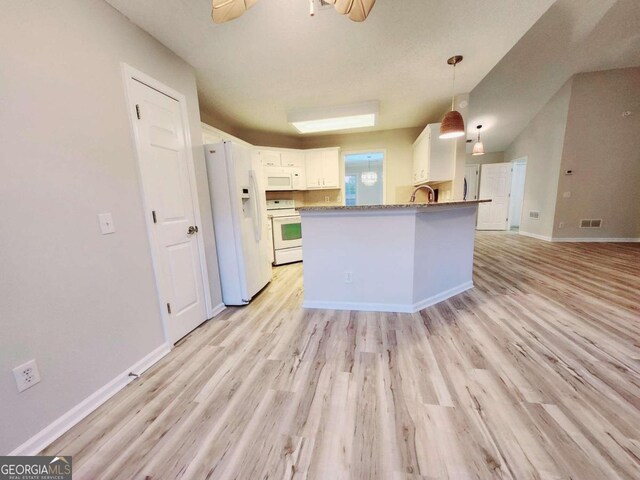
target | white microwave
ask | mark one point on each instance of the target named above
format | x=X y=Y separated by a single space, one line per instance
x=281 y=178
x=277 y=178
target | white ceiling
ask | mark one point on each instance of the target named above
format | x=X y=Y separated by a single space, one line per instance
x=276 y=58
x=572 y=36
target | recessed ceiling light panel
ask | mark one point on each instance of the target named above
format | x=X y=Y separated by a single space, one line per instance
x=330 y=119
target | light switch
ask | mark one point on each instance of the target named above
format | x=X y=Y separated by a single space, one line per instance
x=106 y=223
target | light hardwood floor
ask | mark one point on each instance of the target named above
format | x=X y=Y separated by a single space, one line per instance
x=535 y=373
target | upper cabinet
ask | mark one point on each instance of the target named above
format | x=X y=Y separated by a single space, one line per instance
x=286 y=169
x=433 y=158
x=323 y=168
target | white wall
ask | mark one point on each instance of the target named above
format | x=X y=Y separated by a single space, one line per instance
x=489 y=157
x=602 y=147
x=542 y=142
x=82 y=304
x=398 y=145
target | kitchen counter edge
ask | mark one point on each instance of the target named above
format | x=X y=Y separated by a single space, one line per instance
x=420 y=206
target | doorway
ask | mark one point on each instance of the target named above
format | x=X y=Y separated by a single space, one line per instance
x=471 y=180
x=167 y=177
x=364 y=178
x=495 y=184
x=517 y=192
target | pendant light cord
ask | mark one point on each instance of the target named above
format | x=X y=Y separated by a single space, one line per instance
x=453 y=87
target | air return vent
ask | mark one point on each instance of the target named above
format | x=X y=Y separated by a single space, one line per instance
x=534 y=214
x=591 y=223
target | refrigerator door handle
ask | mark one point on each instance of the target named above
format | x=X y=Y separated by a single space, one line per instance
x=257 y=213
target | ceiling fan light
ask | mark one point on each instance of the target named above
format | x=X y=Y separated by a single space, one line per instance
x=478 y=148
x=452 y=125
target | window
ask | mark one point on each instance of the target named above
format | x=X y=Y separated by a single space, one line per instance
x=363 y=180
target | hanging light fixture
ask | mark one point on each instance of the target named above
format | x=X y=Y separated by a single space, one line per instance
x=452 y=125
x=478 y=147
x=370 y=177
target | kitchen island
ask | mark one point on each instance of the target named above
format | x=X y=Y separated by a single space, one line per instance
x=387 y=258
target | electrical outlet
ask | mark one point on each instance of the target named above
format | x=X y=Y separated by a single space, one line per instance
x=326 y=198
x=561 y=225
x=26 y=375
x=348 y=277
x=566 y=195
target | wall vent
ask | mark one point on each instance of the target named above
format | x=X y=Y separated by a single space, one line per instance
x=534 y=214
x=591 y=223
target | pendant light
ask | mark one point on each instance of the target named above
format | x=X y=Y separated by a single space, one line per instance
x=452 y=125
x=478 y=148
x=370 y=177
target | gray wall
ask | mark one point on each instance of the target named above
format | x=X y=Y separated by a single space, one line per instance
x=82 y=304
x=489 y=157
x=542 y=142
x=602 y=147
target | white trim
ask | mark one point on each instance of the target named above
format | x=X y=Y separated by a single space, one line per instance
x=62 y=424
x=217 y=309
x=534 y=235
x=427 y=302
x=596 y=240
x=390 y=307
x=579 y=239
x=129 y=74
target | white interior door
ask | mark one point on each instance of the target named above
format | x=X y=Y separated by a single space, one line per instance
x=471 y=176
x=169 y=199
x=517 y=194
x=495 y=184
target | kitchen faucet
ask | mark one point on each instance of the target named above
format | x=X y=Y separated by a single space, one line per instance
x=431 y=196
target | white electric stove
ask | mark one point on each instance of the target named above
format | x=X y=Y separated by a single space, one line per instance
x=286 y=231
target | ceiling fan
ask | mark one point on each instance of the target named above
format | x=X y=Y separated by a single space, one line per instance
x=225 y=10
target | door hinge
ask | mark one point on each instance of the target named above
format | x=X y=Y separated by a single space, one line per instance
x=169 y=308
x=138 y=111
x=153 y=214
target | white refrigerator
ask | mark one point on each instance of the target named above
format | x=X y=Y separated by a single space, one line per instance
x=239 y=219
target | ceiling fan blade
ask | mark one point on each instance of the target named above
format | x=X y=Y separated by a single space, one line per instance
x=360 y=10
x=225 y=10
x=343 y=6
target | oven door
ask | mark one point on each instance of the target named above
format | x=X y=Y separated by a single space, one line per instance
x=287 y=232
x=277 y=179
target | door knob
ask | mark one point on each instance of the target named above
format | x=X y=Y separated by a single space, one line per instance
x=192 y=230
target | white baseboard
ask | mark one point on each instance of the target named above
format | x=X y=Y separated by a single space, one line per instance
x=579 y=239
x=49 y=434
x=535 y=235
x=597 y=240
x=427 y=302
x=389 y=307
x=217 y=309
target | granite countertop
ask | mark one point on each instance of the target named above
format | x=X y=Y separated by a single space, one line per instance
x=420 y=206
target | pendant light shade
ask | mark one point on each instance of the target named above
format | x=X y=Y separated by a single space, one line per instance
x=370 y=177
x=452 y=125
x=478 y=147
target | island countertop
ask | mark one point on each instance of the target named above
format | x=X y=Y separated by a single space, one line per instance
x=419 y=206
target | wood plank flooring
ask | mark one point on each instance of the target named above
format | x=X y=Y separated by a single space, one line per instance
x=535 y=373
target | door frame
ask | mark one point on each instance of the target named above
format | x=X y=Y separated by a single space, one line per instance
x=383 y=151
x=518 y=161
x=130 y=74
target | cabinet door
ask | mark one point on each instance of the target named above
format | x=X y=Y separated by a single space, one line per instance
x=313 y=164
x=269 y=158
x=292 y=158
x=441 y=156
x=421 y=159
x=331 y=169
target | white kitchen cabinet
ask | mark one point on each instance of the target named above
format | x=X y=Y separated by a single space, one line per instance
x=292 y=158
x=270 y=158
x=322 y=168
x=433 y=158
